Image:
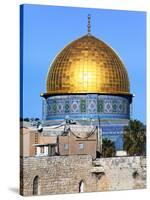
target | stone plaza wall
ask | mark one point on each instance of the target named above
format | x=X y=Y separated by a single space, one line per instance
x=63 y=174
x=123 y=173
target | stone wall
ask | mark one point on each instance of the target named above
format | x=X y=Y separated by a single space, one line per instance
x=62 y=174
x=123 y=173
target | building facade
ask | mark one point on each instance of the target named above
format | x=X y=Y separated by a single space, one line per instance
x=87 y=81
x=77 y=140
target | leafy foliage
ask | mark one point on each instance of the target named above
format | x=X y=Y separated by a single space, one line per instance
x=108 y=148
x=26 y=119
x=36 y=119
x=135 y=138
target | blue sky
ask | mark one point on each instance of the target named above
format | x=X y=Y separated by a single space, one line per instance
x=47 y=29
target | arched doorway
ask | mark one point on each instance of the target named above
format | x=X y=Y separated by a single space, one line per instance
x=81 y=186
x=36 y=185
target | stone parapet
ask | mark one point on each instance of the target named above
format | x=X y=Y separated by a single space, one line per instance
x=63 y=174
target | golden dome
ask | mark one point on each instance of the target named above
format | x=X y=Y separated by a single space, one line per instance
x=87 y=65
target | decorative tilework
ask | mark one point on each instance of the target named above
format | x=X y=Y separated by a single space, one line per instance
x=120 y=107
x=54 y=107
x=92 y=104
x=75 y=106
x=108 y=107
x=49 y=108
x=114 y=106
x=67 y=107
x=87 y=106
x=124 y=106
x=100 y=106
x=60 y=107
x=83 y=105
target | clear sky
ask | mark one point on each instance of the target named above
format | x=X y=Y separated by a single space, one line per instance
x=47 y=29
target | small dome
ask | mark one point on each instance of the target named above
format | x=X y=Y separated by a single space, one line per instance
x=87 y=65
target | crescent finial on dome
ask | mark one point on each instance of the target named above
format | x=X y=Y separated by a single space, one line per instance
x=89 y=24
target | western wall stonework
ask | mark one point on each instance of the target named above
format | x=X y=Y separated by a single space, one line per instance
x=63 y=174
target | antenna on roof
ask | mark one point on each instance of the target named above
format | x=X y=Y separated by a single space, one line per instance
x=89 y=24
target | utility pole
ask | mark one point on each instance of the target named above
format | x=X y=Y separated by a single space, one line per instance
x=99 y=135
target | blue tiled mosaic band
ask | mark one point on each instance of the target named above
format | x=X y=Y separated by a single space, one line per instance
x=86 y=106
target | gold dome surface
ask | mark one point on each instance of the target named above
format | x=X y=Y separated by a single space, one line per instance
x=87 y=65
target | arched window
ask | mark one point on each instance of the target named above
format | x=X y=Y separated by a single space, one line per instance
x=81 y=186
x=36 y=185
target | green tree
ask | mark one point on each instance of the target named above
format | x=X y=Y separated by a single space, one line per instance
x=108 y=148
x=36 y=119
x=26 y=119
x=135 y=138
